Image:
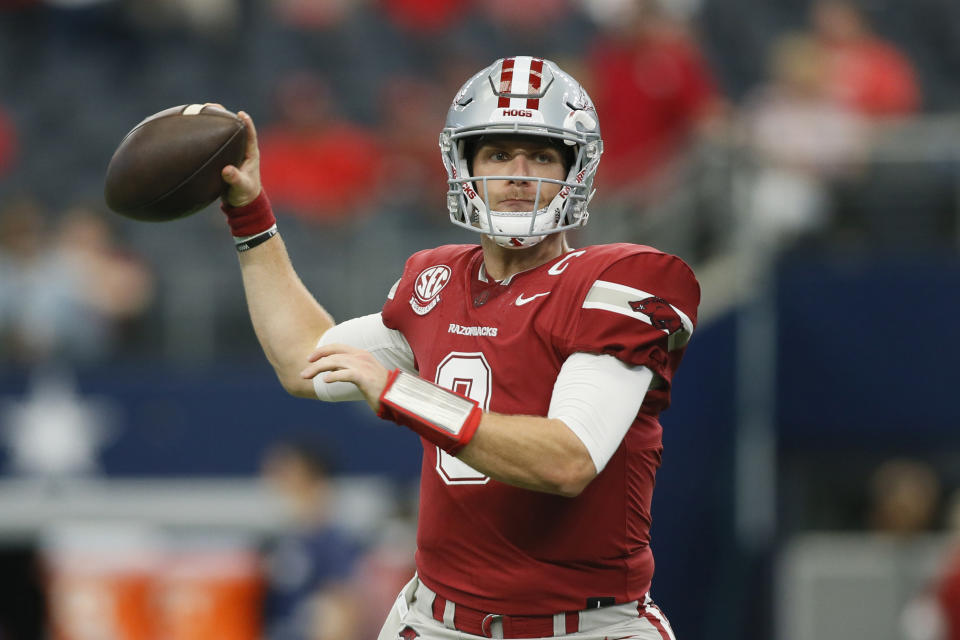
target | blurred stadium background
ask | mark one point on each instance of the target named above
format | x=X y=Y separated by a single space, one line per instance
x=803 y=157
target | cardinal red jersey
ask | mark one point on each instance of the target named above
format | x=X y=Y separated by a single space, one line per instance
x=499 y=548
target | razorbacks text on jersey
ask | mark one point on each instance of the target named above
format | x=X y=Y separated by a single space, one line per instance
x=495 y=547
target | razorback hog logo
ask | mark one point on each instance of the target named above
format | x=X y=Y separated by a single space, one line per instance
x=408 y=633
x=661 y=314
x=517 y=113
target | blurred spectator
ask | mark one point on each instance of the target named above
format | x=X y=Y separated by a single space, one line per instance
x=310 y=568
x=22 y=252
x=553 y=29
x=904 y=498
x=523 y=16
x=409 y=134
x=65 y=297
x=948 y=583
x=315 y=164
x=115 y=283
x=212 y=18
x=314 y=14
x=653 y=91
x=864 y=71
x=802 y=140
x=387 y=566
x=424 y=17
x=935 y=614
x=8 y=141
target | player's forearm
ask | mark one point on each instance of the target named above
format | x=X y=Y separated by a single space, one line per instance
x=287 y=319
x=535 y=453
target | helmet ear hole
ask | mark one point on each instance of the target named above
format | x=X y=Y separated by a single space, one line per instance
x=470 y=146
x=569 y=155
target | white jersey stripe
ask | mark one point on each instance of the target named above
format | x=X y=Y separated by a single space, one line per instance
x=615 y=297
x=616 y=308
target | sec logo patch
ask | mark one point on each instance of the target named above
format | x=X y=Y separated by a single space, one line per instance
x=427 y=288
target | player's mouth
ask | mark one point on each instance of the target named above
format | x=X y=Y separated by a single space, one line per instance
x=515 y=204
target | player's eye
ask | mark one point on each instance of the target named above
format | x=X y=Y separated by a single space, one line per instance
x=500 y=156
x=547 y=157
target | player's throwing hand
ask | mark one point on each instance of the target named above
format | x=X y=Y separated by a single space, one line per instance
x=244 y=182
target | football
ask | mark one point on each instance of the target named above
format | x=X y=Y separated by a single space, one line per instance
x=169 y=165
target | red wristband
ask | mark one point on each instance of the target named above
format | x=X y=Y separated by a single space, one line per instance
x=250 y=219
x=444 y=417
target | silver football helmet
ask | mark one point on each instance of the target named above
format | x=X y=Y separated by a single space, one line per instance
x=526 y=96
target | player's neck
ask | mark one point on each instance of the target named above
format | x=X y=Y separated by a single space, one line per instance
x=501 y=263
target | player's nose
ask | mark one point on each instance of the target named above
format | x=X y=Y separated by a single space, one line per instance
x=520 y=166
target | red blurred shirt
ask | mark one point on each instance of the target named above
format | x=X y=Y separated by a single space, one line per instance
x=327 y=174
x=649 y=96
x=8 y=142
x=873 y=78
x=424 y=16
x=948 y=596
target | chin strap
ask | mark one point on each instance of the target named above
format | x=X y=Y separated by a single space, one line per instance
x=445 y=418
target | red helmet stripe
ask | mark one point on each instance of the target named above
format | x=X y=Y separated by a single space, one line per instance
x=506 y=82
x=536 y=75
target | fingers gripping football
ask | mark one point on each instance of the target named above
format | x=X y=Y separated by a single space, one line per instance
x=244 y=181
x=343 y=363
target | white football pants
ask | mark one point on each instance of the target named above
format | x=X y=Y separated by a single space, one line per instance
x=412 y=618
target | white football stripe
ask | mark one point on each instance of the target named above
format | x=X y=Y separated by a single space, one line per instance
x=193 y=109
x=615 y=308
x=521 y=81
x=655 y=610
x=640 y=294
x=560 y=624
x=393 y=290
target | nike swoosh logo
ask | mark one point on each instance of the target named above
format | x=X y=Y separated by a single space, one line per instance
x=522 y=301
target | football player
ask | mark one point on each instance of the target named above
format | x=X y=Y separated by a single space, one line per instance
x=534 y=372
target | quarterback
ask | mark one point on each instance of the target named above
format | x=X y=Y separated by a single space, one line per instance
x=533 y=372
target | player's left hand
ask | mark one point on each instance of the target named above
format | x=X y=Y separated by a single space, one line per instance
x=343 y=363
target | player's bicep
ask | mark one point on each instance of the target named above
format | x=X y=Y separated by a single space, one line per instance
x=598 y=397
x=388 y=346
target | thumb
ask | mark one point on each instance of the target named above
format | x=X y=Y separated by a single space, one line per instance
x=230 y=174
